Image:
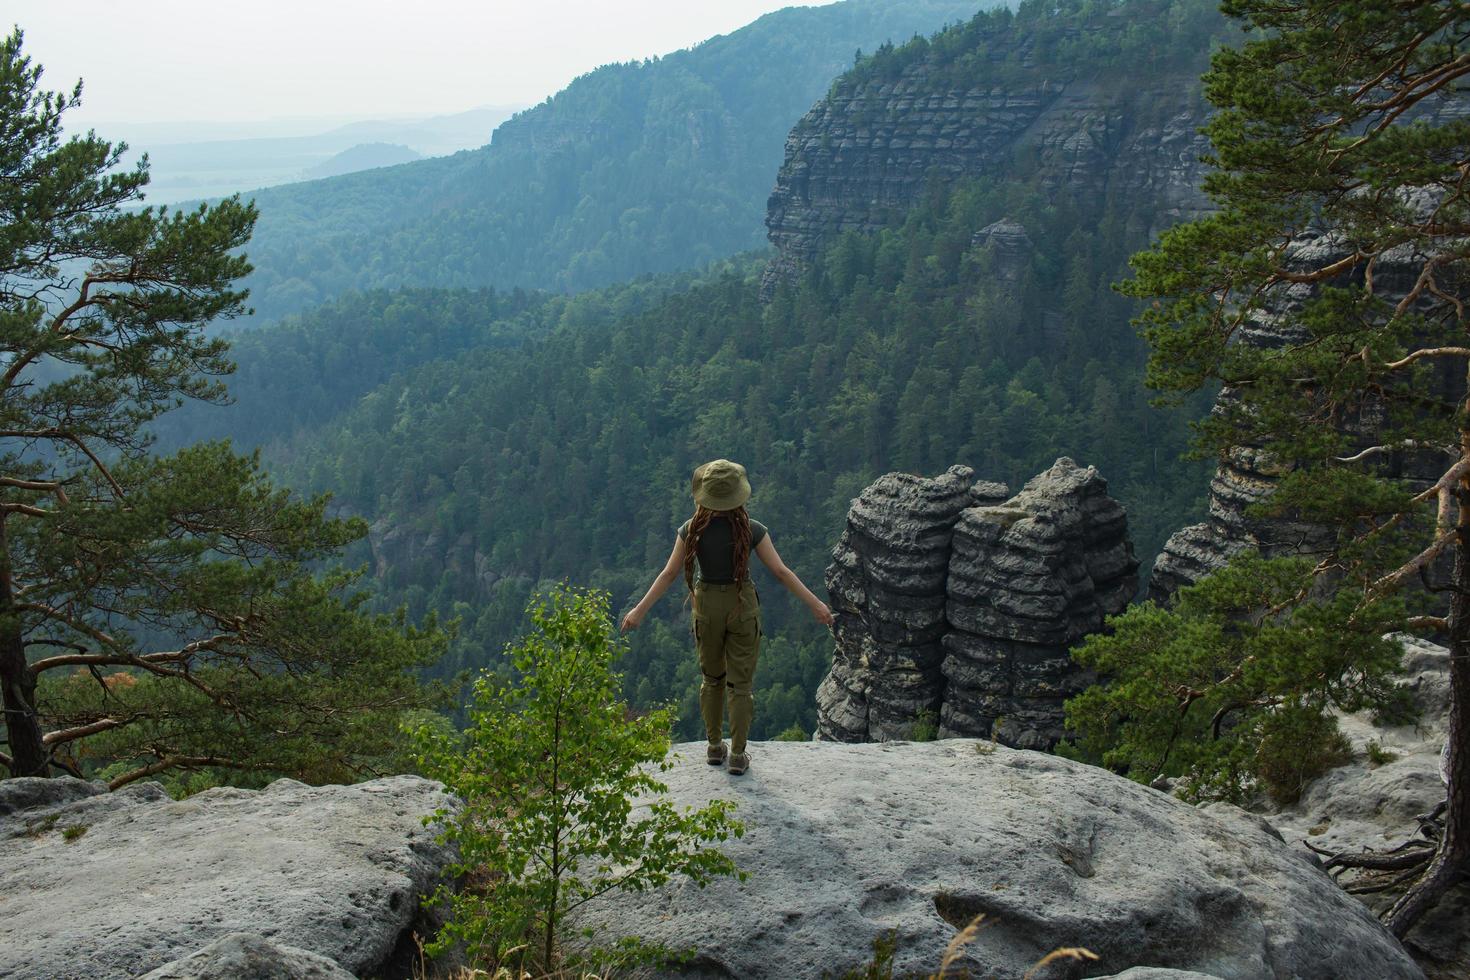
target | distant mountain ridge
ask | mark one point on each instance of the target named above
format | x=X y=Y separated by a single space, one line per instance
x=194 y=160
x=634 y=168
x=364 y=156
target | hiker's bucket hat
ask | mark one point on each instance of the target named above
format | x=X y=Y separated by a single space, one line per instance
x=720 y=485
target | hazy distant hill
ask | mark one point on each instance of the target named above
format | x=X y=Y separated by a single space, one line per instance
x=364 y=156
x=197 y=160
x=641 y=167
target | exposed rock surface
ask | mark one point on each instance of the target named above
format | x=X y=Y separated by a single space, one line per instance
x=1027 y=579
x=845 y=842
x=887 y=581
x=1247 y=475
x=102 y=885
x=1008 y=247
x=954 y=599
x=1373 y=803
x=863 y=155
x=245 y=956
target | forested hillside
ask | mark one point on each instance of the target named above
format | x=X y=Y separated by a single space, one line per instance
x=568 y=456
x=300 y=374
x=633 y=168
x=498 y=440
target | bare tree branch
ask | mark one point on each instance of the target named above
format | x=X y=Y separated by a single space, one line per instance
x=1396 y=577
x=1427 y=352
x=180 y=655
x=26 y=509
x=82 y=731
x=106 y=474
x=1395 y=446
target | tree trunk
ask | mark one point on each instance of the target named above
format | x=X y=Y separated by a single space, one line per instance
x=1451 y=863
x=22 y=727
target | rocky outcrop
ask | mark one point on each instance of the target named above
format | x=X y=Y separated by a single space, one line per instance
x=1007 y=248
x=864 y=155
x=1374 y=802
x=101 y=885
x=887 y=580
x=844 y=843
x=956 y=603
x=1246 y=475
x=1027 y=579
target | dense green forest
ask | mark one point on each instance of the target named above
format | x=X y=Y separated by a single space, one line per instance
x=500 y=440
x=568 y=455
x=634 y=168
x=299 y=374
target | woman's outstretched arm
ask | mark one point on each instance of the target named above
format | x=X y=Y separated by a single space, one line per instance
x=673 y=568
x=767 y=554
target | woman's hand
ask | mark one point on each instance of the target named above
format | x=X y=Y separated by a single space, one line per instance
x=822 y=613
x=632 y=619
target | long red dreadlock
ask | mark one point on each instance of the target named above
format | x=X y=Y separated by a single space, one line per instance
x=740 y=541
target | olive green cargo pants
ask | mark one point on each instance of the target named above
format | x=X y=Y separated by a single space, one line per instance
x=729 y=643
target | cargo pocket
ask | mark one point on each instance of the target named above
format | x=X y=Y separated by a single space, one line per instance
x=748 y=623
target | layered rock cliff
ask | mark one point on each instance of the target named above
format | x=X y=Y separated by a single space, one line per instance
x=1247 y=475
x=956 y=603
x=1004 y=100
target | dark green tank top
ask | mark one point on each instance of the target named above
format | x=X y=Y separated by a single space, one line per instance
x=716 y=554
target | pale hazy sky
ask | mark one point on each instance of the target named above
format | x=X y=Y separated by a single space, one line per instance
x=175 y=60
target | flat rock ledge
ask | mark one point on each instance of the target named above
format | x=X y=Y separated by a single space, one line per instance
x=104 y=885
x=845 y=842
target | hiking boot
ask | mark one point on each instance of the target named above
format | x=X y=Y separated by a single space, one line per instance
x=715 y=754
x=739 y=763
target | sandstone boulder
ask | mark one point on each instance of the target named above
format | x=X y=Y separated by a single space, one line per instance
x=104 y=885
x=1373 y=802
x=845 y=842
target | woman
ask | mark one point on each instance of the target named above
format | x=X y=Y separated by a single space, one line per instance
x=727 y=625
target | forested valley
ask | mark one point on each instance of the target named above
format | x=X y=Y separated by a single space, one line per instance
x=549 y=445
x=499 y=440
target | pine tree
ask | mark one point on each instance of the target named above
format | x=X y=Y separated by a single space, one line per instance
x=1342 y=237
x=155 y=612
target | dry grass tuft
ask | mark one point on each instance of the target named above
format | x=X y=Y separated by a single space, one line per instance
x=1077 y=953
x=956 y=945
x=880 y=968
